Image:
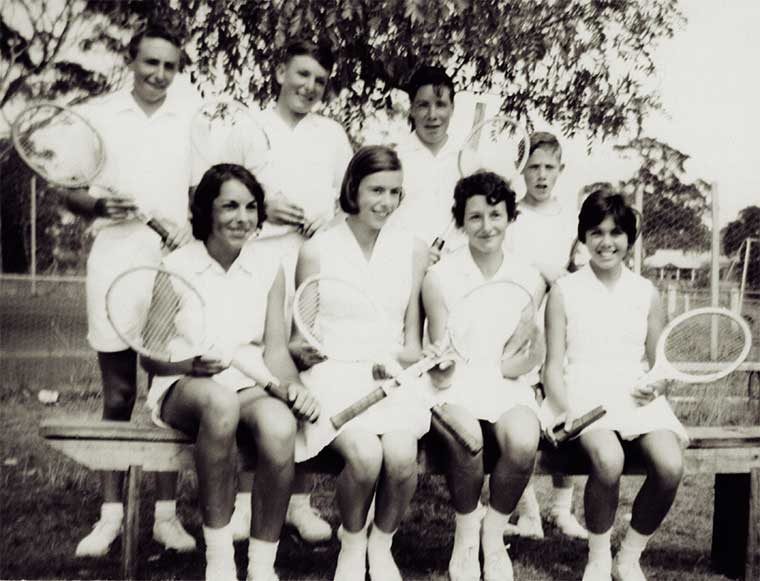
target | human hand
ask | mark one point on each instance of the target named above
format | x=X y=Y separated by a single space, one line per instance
x=311 y=227
x=434 y=254
x=280 y=210
x=644 y=394
x=115 y=207
x=178 y=236
x=304 y=355
x=303 y=404
x=441 y=374
x=206 y=366
x=387 y=368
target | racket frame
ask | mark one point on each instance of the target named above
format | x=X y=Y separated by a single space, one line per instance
x=477 y=130
x=151 y=222
x=664 y=369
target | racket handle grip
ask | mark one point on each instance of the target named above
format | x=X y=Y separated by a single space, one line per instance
x=438 y=243
x=342 y=418
x=563 y=434
x=158 y=228
x=461 y=434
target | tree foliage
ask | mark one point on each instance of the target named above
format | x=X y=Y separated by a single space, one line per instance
x=578 y=64
x=736 y=235
x=674 y=209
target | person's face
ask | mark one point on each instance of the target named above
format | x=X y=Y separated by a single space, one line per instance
x=540 y=174
x=378 y=196
x=431 y=112
x=607 y=245
x=302 y=83
x=484 y=224
x=234 y=216
x=154 y=67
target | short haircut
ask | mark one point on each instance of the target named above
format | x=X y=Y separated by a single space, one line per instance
x=155 y=30
x=429 y=75
x=545 y=140
x=484 y=183
x=367 y=161
x=601 y=203
x=208 y=190
x=319 y=51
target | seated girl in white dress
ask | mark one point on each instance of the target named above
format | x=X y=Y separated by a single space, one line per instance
x=487 y=399
x=601 y=323
x=379 y=446
x=243 y=288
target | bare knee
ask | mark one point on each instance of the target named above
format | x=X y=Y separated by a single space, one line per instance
x=607 y=463
x=399 y=457
x=220 y=413
x=668 y=471
x=274 y=429
x=518 y=435
x=363 y=455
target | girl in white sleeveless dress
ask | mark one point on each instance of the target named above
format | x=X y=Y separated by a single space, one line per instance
x=602 y=322
x=379 y=447
x=481 y=396
x=243 y=288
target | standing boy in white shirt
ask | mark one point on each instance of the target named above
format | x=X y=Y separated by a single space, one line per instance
x=543 y=235
x=146 y=138
x=308 y=156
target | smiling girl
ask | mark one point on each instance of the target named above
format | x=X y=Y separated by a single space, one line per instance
x=379 y=447
x=601 y=323
x=483 y=397
x=243 y=288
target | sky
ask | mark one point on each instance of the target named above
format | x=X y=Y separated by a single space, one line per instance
x=707 y=76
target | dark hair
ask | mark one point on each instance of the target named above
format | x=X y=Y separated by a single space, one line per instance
x=483 y=183
x=208 y=190
x=155 y=30
x=601 y=203
x=319 y=51
x=544 y=139
x=368 y=160
x=429 y=75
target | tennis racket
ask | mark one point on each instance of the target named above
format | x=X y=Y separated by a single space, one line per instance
x=563 y=433
x=226 y=131
x=342 y=322
x=63 y=148
x=700 y=346
x=498 y=144
x=488 y=321
x=161 y=315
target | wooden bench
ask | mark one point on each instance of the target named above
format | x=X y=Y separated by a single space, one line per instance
x=731 y=454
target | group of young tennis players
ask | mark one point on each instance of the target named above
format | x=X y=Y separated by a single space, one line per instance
x=314 y=208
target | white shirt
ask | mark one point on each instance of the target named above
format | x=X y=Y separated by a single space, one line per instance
x=147 y=158
x=306 y=163
x=542 y=239
x=429 y=181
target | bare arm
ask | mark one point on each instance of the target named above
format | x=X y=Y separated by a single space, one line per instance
x=413 y=318
x=556 y=347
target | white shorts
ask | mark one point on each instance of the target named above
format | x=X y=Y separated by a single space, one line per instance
x=115 y=249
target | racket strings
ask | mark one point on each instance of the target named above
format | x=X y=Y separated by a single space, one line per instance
x=707 y=338
x=59 y=144
x=160 y=324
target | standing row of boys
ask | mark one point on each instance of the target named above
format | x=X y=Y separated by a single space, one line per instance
x=600 y=323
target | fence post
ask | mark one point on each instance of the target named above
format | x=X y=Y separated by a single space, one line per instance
x=714 y=271
x=33 y=237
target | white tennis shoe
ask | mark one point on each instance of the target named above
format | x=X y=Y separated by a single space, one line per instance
x=598 y=570
x=528 y=526
x=312 y=527
x=352 y=559
x=98 y=541
x=465 y=563
x=627 y=571
x=567 y=524
x=497 y=566
x=172 y=535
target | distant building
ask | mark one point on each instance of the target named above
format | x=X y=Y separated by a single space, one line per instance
x=677 y=265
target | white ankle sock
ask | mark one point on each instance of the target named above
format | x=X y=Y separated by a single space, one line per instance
x=217 y=538
x=633 y=545
x=380 y=539
x=261 y=555
x=300 y=500
x=599 y=545
x=165 y=509
x=467 y=527
x=243 y=500
x=494 y=524
x=562 y=500
x=112 y=511
x=528 y=503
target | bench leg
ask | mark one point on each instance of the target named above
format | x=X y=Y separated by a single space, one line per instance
x=752 y=564
x=131 y=524
x=730 y=521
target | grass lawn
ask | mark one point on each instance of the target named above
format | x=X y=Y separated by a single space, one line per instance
x=47 y=503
